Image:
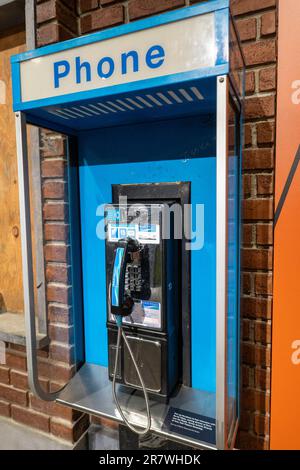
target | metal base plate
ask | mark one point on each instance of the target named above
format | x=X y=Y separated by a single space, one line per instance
x=91 y=391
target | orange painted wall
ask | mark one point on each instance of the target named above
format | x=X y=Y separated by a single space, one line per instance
x=285 y=391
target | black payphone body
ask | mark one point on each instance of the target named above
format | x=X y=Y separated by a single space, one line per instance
x=142 y=272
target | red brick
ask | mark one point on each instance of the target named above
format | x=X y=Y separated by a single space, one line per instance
x=54 y=409
x=258 y=159
x=259 y=107
x=265 y=132
x=50 y=33
x=54 y=189
x=247 y=135
x=43 y=352
x=264 y=234
x=53 y=168
x=53 y=146
x=263 y=284
x=60 y=314
x=62 y=353
x=264 y=185
x=261 y=424
x=46 y=11
x=253 y=307
x=65 y=34
x=247 y=283
x=262 y=332
x=66 y=17
x=16 y=361
x=65 y=431
x=260 y=52
x=246 y=372
x=52 y=9
x=262 y=378
x=268 y=23
x=257 y=258
x=57 y=273
x=71 y=4
x=142 y=8
x=255 y=400
x=253 y=355
x=245 y=421
x=87 y=5
x=19 y=380
x=247 y=179
x=4 y=409
x=13 y=395
x=30 y=418
x=246 y=330
x=239 y=7
x=62 y=334
x=58 y=372
x=57 y=253
x=55 y=211
x=267 y=79
x=249 y=441
x=247 y=28
x=250 y=83
x=254 y=209
x=4 y=375
x=100 y=19
x=58 y=293
x=248 y=234
x=56 y=232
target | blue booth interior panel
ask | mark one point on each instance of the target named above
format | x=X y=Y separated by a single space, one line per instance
x=166 y=151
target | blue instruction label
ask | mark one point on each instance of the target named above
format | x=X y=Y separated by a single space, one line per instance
x=192 y=425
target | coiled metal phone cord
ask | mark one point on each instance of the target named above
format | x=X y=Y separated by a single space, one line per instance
x=143 y=432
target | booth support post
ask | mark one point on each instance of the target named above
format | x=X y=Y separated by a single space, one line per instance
x=30 y=23
x=27 y=261
x=221 y=262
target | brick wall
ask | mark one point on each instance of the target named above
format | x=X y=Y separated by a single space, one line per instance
x=256 y=19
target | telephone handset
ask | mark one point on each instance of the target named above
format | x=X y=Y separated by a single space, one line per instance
x=130 y=276
x=121 y=303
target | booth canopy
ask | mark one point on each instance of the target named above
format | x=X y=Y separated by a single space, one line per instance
x=157 y=68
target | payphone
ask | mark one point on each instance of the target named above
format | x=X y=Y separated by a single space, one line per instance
x=142 y=298
x=155 y=315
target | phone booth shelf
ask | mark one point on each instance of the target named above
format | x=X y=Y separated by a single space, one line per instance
x=155 y=101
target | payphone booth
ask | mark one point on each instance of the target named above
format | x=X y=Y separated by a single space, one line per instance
x=152 y=111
